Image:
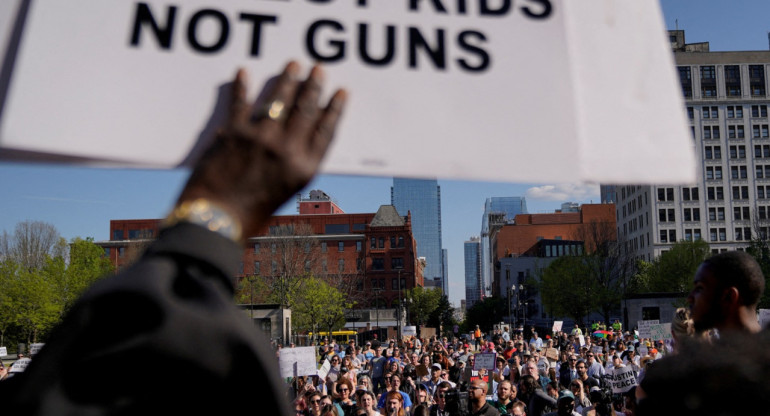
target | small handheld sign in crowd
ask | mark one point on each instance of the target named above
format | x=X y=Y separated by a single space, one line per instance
x=622 y=379
x=299 y=361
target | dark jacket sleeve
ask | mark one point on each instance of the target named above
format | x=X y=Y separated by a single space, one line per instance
x=161 y=336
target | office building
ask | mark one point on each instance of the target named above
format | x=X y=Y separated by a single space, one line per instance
x=422 y=199
x=726 y=101
x=472 y=272
x=498 y=211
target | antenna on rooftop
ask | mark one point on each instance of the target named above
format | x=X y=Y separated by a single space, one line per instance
x=676 y=23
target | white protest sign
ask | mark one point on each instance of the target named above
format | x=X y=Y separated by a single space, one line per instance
x=485 y=360
x=643 y=351
x=644 y=327
x=446 y=80
x=764 y=317
x=298 y=361
x=324 y=370
x=557 y=326
x=596 y=349
x=3 y=351
x=35 y=348
x=20 y=365
x=582 y=340
x=660 y=331
x=622 y=379
x=409 y=331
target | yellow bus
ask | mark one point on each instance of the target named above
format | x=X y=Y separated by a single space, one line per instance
x=341 y=337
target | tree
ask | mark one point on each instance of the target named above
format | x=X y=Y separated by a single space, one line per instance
x=319 y=305
x=569 y=287
x=672 y=271
x=485 y=313
x=32 y=242
x=251 y=289
x=421 y=302
x=292 y=258
x=760 y=250
x=442 y=317
x=87 y=264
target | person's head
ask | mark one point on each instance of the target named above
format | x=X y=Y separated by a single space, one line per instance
x=425 y=360
x=505 y=390
x=414 y=358
x=335 y=360
x=300 y=407
x=581 y=368
x=518 y=409
x=395 y=381
x=576 y=387
x=329 y=410
x=682 y=325
x=344 y=388
x=552 y=389
x=440 y=395
x=471 y=361
x=422 y=394
x=366 y=400
x=532 y=369
x=435 y=371
x=394 y=402
x=725 y=285
x=528 y=385
x=477 y=391
x=314 y=403
x=591 y=358
x=365 y=382
x=566 y=403
x=326 y=400
x=572 y=360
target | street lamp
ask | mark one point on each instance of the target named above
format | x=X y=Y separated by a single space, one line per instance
x=377 y=291
x=508 y=290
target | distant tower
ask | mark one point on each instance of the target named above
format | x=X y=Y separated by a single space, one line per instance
x=473 y=284
x=497 y=211
x=422 y=197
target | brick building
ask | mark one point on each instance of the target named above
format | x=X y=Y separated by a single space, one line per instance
x=371 y=256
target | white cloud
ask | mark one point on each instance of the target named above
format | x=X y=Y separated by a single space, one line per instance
x=566 y=192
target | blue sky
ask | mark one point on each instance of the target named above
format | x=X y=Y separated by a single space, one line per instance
x=80 y=201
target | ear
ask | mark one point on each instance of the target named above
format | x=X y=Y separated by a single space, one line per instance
x=731 y=297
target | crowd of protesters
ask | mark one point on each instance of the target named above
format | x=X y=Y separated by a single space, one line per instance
x=532 y=374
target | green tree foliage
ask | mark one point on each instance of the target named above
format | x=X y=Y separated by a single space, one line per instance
x=421 y=303
x=319 y=306
x=485 y=314
x=251 y=289
x=568 y=287
x=293 y=248
x=673 y=271
x=442 y=317
x=34 y=293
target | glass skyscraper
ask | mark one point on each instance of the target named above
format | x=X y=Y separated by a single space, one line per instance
x=422 y=198
x=472 y=272
x=497 y=211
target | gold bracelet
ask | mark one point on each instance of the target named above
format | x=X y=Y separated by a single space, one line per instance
x=206 y=214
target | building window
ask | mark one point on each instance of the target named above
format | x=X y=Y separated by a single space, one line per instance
x=307 y=247
x=711 y=132
x=394 y=284
x=323 y=247
x=723 y=234
x=690 y=113
x=759 y=111
x=717 y=214
x=691 y=214
x=708 y=81
x=256 y=268
x=274 y=267
x=378 y=264
x=762 y=213
x=381 y=242
x=121 y=251
x=665 y=194
x=710 y=112
x=740 y=192
x=757 y=80
x=715 y=193
x=713 y=234
x=736 y=132
x=117 y=234
x=735 y=111
x=397 y=263
x=666 y=215
x=690 y=194
x=759 y=131
x=256 y=248
x=761 y=191
x=738 y=172
x=341 y=246
x=761 y=151
x=107 y=252
x=359 y=245
x=733 y=80
x=307 y=266
x=741 y=213
x=685 y=79
x=341 y=265
x=373 y=243
x=713 y=152
x=664 y=236
x=324 y=265
x=273 y=248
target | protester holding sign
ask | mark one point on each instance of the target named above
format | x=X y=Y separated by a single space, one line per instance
x=180 y=291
